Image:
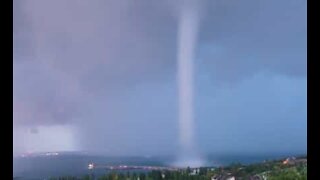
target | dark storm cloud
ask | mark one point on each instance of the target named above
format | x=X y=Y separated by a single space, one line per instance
x=105 y=46
x=109 y=66
x=87 y=48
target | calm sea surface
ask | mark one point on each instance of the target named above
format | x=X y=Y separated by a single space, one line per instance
x=77 y=165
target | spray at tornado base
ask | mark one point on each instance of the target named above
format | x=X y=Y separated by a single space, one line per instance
x=187 y=38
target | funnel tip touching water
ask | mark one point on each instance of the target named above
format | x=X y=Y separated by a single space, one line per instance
x=187 y=36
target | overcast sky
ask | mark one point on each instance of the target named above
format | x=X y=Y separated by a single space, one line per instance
x=100 y=76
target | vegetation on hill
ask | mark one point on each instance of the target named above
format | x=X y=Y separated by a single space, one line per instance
x=295 y=169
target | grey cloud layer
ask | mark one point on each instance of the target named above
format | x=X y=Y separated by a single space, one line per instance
x=100 y=64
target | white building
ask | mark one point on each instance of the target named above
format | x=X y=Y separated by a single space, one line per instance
x=231 y=178
x=195 y=171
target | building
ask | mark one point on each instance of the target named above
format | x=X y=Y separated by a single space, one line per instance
x=195 y=171
x=230 y=178
x=223 y=177
x=293 y=160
